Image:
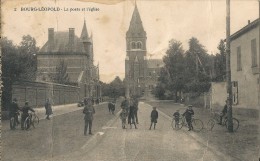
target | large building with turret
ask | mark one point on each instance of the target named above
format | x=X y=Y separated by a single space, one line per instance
x=141 y=73
x=77 y=55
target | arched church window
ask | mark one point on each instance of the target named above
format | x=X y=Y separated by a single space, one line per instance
x=139 y=45
x=133 y=45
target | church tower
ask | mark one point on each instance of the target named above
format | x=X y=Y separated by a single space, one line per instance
x=135 y=62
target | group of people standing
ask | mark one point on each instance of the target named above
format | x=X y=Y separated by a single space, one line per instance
x=129 y=112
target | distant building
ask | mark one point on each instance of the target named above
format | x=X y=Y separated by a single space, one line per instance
x=245 y=66
x=77 y=53
x=141 y=74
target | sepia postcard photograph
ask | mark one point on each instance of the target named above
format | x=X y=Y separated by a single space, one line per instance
x=130 y=80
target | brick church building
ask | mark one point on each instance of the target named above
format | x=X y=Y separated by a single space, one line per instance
x=77 y=53
x=141 y=73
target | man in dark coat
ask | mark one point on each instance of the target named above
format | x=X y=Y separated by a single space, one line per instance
x=48 y=109
x=111 y=107
x=25 y=113
x=14 y=111
x=131 y=116
x=188 y=115
x=125 y=105
x=223 y=113
x=89 y=111
x=154 y=117
x=136 y=109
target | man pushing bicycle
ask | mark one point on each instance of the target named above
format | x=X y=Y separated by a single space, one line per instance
x=188 y=115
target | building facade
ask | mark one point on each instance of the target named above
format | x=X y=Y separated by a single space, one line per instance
x=76 y=53
x=140 y=73
x=245 y=66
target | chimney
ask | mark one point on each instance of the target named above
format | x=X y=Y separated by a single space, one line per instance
x=71 y=38
x=248 y=22
x=50 y=39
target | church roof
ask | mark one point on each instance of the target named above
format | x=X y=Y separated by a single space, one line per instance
x=155 y=63
x=136 y=28
x=61 y=41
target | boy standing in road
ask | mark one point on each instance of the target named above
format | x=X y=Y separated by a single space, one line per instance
x=123 y=116
x=188 y=115
x=176 y=116
x=25 y=113
x=154 y=117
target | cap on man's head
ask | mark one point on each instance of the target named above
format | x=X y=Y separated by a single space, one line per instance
x=189 y=105
x=26 y=102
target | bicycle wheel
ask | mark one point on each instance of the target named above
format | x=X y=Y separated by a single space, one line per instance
x=177 y=125
x=210 y=124
x=197 y=125
x=12 y=123
x=27 y=123
x=235 y=124
x=35 y=121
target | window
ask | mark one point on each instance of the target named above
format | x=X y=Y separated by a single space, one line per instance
x=133 y=46
x=239 y=65
x=253 y=53
x=139 y=45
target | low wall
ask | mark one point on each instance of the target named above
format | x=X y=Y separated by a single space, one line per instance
x=37 y=93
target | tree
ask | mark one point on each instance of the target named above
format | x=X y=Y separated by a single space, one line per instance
x=171 y=80
x=198 y=67
x=220 y=62
x=28 y=52
x=61 y=75
x=11 y=69
x=114 y=89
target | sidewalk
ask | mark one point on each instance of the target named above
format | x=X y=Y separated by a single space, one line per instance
x=240 y=146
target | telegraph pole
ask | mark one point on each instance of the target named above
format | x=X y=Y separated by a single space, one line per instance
x=228 y=71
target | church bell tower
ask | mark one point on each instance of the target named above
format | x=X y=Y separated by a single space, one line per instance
x=135 y=62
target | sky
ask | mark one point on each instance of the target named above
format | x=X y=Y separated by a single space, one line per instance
x=163 y=20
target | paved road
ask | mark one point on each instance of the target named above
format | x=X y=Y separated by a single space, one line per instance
x=58 y=136
x=62 y=139
x=162 y=144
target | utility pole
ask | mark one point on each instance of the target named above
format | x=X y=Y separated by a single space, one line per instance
x=228 y=71
x=259 y=55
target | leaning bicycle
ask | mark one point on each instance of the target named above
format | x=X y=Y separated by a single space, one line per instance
x=216 y=119
x=31 y=120
x=197 y=124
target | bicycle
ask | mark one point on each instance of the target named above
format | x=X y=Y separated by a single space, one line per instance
x=13 y=121
x=32 y=119
x=216 y=118
x=196 y=123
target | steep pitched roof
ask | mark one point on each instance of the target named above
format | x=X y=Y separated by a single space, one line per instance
x=155 y=63
x=61 y=41
x=136 y=28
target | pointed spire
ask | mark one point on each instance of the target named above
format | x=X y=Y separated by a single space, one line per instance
x=136 y=26
x=84 y=33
